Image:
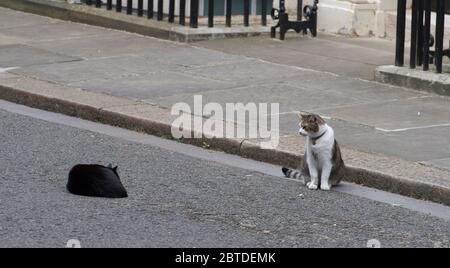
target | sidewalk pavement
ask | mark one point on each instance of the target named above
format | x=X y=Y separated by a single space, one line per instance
x=393 y=138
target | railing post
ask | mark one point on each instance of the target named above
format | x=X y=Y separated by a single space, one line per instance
x=420 y=33
x=98 y=3
x=400 y=37
x=193 y=22
x=414 y=22
x=440 y=20
x=171 y=11
x=160 y=10
x=426 y=35
x=246 y=12
x=183 y=12
x=228 y=13
x=282 y=6
x=210 y=13
x=264 y=12
x=299 y=9
x=150 y=9
x=140 y=8
x=129 y=7
x=119 y=6
x=109 y=5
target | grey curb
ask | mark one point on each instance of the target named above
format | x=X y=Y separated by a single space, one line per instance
x=242 y=148
x=414 y=78
x=120 y=21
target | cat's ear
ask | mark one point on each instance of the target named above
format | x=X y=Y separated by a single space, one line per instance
x=115 y=168
x=110 y=166
x=302 y=114
x=318 y=119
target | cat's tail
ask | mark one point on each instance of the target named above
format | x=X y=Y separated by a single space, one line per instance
x=293 y=174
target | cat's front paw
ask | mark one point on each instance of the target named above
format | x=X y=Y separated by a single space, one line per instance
x=312 y=186
x=325 y=187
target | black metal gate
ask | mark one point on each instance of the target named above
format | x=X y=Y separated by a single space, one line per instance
x=298 y=25
x=421 y=37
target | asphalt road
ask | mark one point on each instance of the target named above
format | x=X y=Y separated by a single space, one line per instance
x=177 y=199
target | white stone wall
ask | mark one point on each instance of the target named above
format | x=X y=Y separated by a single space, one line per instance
x=349 y=17
x=357 y=17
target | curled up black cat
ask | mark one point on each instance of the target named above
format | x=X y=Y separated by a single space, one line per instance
x=96 y=181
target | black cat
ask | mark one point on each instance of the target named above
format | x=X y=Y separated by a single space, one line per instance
x=96 y=180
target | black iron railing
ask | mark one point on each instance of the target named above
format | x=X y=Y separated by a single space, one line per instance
x=422 y=38
x=193 y=14
x=299 y=25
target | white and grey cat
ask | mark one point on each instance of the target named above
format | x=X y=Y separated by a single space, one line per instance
x=322 y=166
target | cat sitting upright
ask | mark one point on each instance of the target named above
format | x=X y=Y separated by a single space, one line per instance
x=96 y=181
x=322 y=166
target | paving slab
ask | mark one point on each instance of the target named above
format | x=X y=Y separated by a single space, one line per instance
x=354 y=57
x=120 y=43
x=418 y=144
x=54 y=31
x=153 y=85
x=440 y=163
x=189 y=56
x=249 y=71
x=29 y=56
x=363 y=90
x=50 y=90
x=344 y=51
x=302 y=93
x=380 y=44
x=334 y=82
x=375 y=92
x=414 y=145
x=104 y=68
x=396 y=115
x=12 y=19
x=289 y=98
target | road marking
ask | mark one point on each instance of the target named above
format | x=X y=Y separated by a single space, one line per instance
x=412 y=128
x=4 y=70
x=426 y=207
